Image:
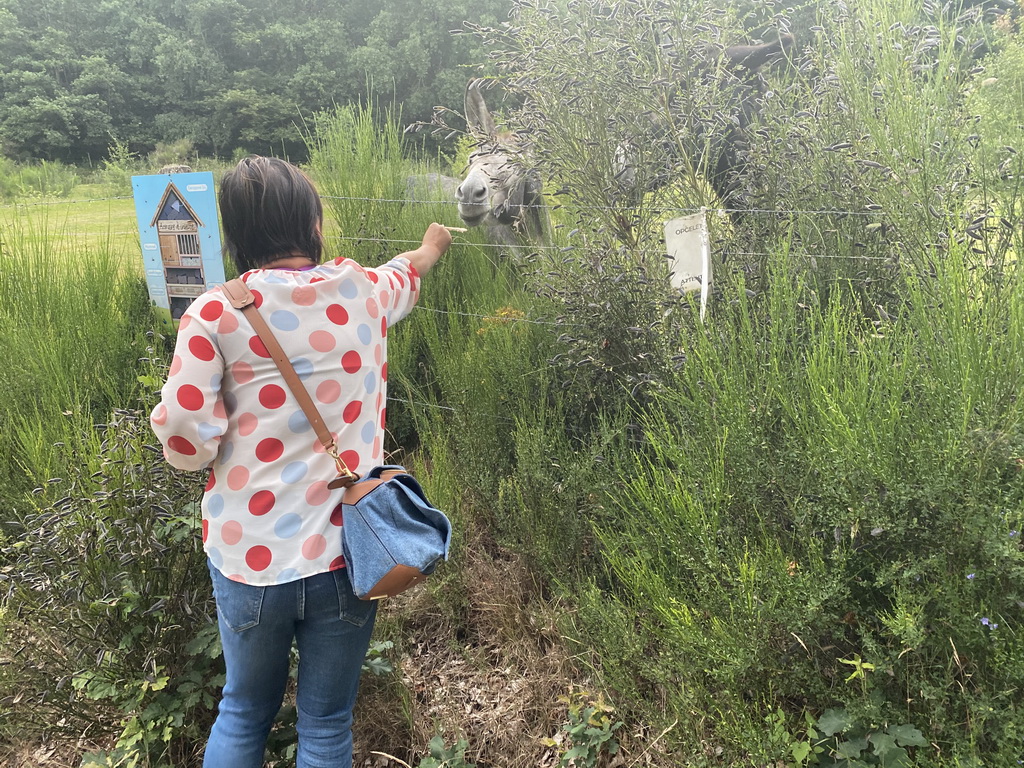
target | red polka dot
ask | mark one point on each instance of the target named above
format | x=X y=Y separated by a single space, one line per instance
x=247 y=424
x=269 y=449
x=212 y=311
x=351 y=459
x=175 y=365
x=261 y=502
x=242 y=372
x=372 y=307
x=206 y=530
x=257 y=299
x=184 y=323
x=385 y=299
x=400 y=279
x=228 y=323
x=231 y=532
x=258 y=558
x=179 y=444
x=328 y=391
x=314 y=546
x=272 y=396
x=376 y=449
x=257 y=346
x=336 y=516
x=384 y=372
x=337 y=314
x=317 y=280
x=351 y=362
x=190 y=398
x=384 y=326
x=383 y=411
x=318 y=447
x=378 y=354
x=304 y=295
x=201 y=348
x=237 y=478
x=322 y=341
x=210 y=482
x=372 y=275
x=337 y=563
x=219 y=409
x=352 y=411
x=317 y=493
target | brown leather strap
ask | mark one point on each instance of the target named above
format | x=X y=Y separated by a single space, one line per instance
x=238 y=293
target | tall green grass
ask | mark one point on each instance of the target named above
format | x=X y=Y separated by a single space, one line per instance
x=73 y=324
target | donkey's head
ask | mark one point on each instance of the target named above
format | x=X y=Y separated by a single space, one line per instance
x=497 y=189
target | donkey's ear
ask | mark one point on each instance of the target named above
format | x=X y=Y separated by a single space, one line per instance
x=478 y=117
x=753 y=57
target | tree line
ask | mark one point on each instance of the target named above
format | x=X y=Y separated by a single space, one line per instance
x=224 y=74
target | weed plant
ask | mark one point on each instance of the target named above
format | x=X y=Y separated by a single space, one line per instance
x=47 y=178
x=73 y=324
x=819 y=498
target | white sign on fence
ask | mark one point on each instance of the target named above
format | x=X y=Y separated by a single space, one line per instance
x=686 y=240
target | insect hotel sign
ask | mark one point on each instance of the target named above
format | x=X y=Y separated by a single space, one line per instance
x=180 y=236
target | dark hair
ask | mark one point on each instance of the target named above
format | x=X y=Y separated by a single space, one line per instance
x=269 y=209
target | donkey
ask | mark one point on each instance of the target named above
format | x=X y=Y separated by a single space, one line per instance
x=728 y=147
x=498 y=192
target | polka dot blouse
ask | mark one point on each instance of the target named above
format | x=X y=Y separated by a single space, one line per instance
x=268 y=516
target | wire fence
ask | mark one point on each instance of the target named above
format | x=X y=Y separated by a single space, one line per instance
x=543 y=206
x=530 y=247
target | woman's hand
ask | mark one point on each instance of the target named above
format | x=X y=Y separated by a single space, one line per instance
x=435 y=242
x=437 y=236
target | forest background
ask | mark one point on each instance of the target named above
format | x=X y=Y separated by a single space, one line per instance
x=225 y=75
x=786 y=534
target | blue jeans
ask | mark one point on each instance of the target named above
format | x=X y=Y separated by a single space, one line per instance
x=331 y=628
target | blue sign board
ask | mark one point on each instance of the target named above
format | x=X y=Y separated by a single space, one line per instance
x=180 y=236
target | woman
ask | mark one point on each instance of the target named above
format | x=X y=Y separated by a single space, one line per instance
x=271 y=527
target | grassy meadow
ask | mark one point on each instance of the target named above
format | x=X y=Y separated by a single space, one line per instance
x=786 y=536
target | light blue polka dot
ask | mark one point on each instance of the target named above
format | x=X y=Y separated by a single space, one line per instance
x=370 y=382
x=364 y=333
x=284 y=320
x=216 y=558
x=298 y=422
x=369 y=432
x=287 y=575
x=215 y=382
x=294 y=472
x=303 y=367
x=287 y=526
x=226 y=449
x=214 y=505
x=348 y=289
x=208 y=431
x=274 y=279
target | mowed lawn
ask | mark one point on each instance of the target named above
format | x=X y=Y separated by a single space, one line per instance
x=85 y=222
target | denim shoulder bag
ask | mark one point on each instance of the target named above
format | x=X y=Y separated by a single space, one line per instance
x=392 y=537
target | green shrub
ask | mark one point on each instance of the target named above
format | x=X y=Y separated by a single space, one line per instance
x=828 y=514
x=112 y=604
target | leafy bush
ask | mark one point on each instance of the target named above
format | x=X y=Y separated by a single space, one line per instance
x=829 y=514
x=112 y=605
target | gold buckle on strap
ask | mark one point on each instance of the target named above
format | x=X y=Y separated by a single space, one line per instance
x=347 y=476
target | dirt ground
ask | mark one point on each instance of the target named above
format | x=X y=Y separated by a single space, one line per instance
x=487 y=666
